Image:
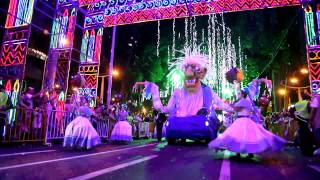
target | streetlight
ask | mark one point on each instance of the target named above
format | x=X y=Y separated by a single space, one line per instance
x=294 y=80
x=115 y=73
x=144 y=110
x=304 y=71
x=64 y=41
x=282 y=92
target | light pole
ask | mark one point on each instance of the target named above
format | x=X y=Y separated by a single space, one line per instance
x=114 y=30
x=115 y=73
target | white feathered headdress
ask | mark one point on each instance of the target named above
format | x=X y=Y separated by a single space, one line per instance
x=191 y=56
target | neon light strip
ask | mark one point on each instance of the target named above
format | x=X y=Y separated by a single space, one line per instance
x=28 y=11
x=21 y=6
x=97 y=50
x=14 y=100
x=53 y=41
x=71 y=25
x=318 y=21
x=84 y=46
x=25 y=10
x=12 y=10
x=63 y=30
x=91 y=46
x=310 y=26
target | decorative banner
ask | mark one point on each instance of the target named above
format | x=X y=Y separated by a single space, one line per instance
x=129 y=12
x=89 y=91
x=58 y=63
x=91 y=46
x=63 y=28
x=314 y=68
x=13 y=52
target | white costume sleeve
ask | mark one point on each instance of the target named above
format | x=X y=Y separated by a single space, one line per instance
x=218 y=103
x=157 y=104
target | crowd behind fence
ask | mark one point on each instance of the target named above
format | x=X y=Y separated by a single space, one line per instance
x=44 y=126
x=37 y=125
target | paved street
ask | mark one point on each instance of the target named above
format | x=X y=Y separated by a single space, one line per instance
x=150 y=160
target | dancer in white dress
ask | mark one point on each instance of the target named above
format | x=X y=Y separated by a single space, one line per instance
x=80 y=133
x=122 y=131
x=246 y=136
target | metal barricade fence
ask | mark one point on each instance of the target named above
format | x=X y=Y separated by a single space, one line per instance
x=141 y=129
x=102 y=126
x=29 y=125
x=56 y=124
x=36 y=125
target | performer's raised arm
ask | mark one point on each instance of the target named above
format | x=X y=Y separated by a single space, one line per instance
x=153 y=90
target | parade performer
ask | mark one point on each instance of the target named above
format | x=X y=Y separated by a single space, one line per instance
x=5 y=105
x=245 y=135
x=80 y=133
x=303 y=114
x=259 y=97
x=122 y=131
x=315 y=121
x=192 y=106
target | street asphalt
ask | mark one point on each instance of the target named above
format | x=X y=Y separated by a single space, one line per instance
x=147 y=159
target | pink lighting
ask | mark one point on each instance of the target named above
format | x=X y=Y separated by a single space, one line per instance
x=201 y=8
x=12 y=11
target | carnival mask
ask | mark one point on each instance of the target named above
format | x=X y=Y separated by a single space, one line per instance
x=193 y=74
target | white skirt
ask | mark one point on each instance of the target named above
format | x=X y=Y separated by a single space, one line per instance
x=122 y=131
x=246 y=136
x=80 y=133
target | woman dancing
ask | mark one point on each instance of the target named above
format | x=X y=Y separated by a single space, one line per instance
x=245 y=135
x=122 y=131
x=80 y=133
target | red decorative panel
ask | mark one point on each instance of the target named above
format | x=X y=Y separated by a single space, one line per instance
x=91 y=81
x=13 y=52
x=89 y=71
x=315 y=71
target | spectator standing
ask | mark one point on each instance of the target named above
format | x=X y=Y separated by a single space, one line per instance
x=315 y=121
x=5 y=104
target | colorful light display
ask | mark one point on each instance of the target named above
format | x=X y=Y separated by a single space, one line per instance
x=222 y=54
x=63 y=28
x=89 y=91
x=16 y=38
x=91 y=46
x=128 y=12
x=309 y=20
x=20 y=13
x=313 y=46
